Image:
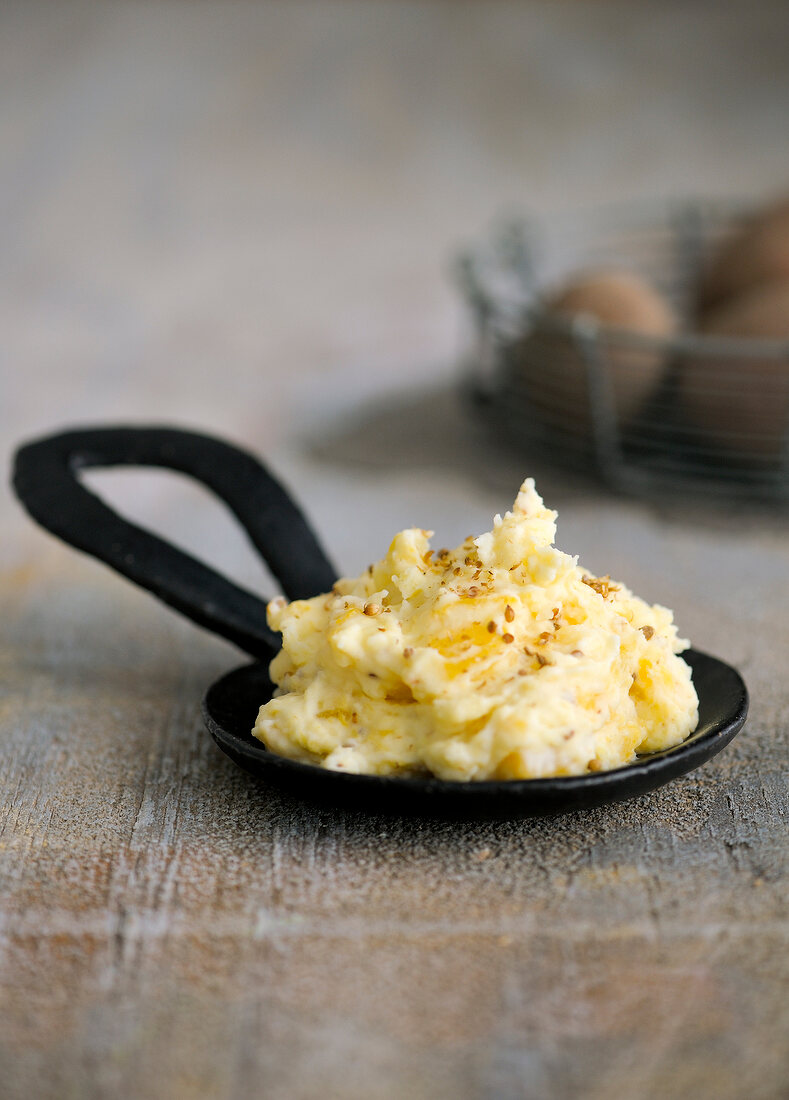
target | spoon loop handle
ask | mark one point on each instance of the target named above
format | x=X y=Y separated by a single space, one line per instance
x=46 y=481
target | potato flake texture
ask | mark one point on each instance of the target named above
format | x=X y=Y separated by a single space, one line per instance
x=501 y=659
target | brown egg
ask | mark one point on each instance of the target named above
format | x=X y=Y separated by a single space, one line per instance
x=553 y=371
x=741 y=401
x=756 y=253
x=617 y=299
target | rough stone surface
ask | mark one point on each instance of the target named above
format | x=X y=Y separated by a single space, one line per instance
x=234 y=216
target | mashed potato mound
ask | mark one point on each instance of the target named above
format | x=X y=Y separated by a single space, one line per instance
x=502 y=659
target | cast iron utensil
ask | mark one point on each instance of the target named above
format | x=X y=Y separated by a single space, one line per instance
x=46 y=481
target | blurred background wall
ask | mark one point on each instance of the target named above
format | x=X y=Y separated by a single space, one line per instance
x=241 y=216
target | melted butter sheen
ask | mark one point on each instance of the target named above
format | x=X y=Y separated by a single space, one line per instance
x=501 y=659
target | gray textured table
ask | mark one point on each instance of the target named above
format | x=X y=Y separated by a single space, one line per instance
x=236 y=217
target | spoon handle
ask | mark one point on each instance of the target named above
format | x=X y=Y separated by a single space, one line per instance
x=46 y=481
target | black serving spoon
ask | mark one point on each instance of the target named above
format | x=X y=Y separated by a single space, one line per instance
x=46 y=481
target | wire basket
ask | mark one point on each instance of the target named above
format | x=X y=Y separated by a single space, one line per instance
x=688 y=412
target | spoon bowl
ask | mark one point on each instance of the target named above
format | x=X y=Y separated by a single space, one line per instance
x=231 y=706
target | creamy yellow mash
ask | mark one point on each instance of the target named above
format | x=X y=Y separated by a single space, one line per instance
x=502 y=659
